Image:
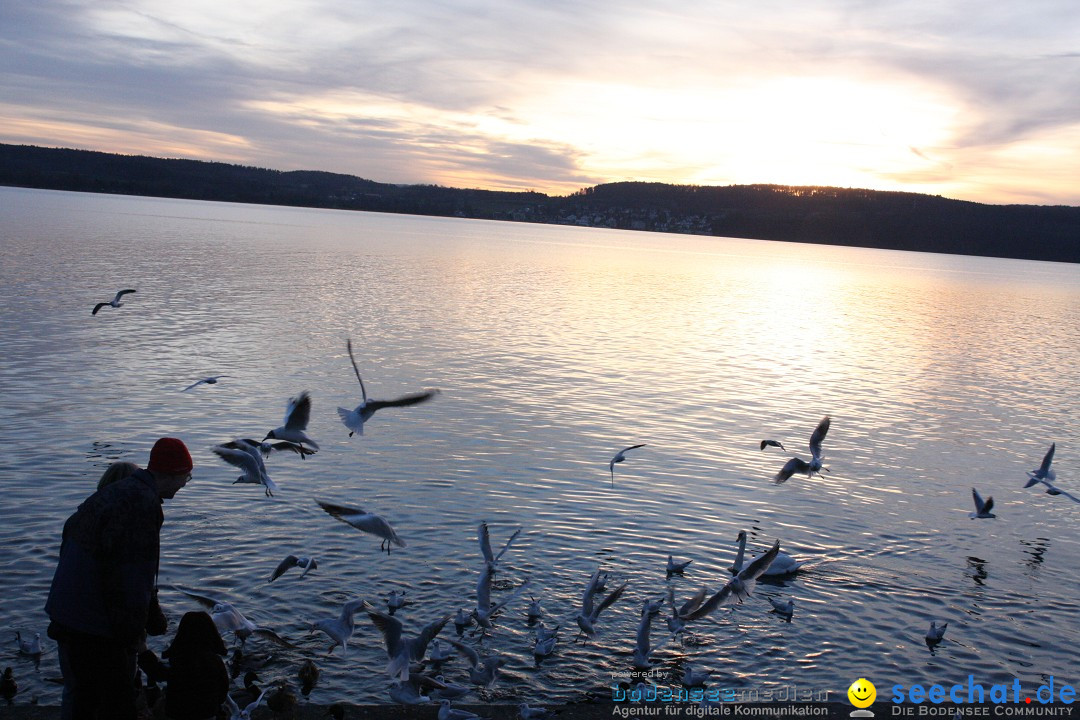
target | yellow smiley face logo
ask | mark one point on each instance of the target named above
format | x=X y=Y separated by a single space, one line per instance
x=862 y=693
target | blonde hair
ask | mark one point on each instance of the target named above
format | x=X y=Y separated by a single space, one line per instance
x=116 y=471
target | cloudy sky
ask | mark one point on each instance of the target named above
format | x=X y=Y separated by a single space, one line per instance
x=971 y=100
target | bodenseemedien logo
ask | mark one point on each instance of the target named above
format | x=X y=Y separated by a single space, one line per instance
x=862 y=694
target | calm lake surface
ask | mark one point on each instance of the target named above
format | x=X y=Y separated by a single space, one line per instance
x=554 y=347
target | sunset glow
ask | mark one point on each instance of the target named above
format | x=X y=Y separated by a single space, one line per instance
x=901 y=96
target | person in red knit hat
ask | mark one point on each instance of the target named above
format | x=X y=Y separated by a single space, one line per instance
x=103 y=600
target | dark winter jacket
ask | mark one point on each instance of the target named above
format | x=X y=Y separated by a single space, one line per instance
x=108 y=563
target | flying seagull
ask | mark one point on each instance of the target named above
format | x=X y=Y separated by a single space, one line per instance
x=297 y=416
x=620 y=457
x=304 y=563
x=737 y=588
x=115 y=302
x=212 y=380
x=248 y=459
x=355 y=419
x=795 y=464
x=772 y=443
x=365 y=522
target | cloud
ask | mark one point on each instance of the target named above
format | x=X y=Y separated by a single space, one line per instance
x=547 y=94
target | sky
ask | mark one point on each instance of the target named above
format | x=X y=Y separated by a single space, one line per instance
x=970 y=100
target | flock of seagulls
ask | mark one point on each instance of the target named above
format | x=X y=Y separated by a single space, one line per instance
x=409 y=655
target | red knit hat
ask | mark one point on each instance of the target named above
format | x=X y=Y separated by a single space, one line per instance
x=170 y=457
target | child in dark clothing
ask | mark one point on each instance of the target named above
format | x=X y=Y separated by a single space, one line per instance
x=196 y=676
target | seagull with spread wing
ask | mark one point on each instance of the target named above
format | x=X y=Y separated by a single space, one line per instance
x=364 y=521
x=354 y=419
x=115 y=302
x=400 y=650
x=620 y=457
x=228 y=619
x=297 y=416
x=798 y=465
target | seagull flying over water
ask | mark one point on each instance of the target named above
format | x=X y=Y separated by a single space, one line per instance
x=247 y=458
x=291 y=561
x=982 y=507
x=266 y=448
x=355 y=419
x=227 y=618
x=620 y=457
x=115 y=302
x=1043 y=473
x=339 y=629
x=212 y=380
x=772 y=443
x=364 y=522
x=795 y=464
x=1046 y=476
x=297 y=416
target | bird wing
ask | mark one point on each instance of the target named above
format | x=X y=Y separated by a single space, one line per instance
x=289 y=562
x=200 y=382
x=363 y=392
x=389 y=626
x=718 y=599
x=692 y=604
x=483 y=536
x=632 y=447
x=241 y=459
x=121 y=294
x=287 y=445
x=819 y=435
x=206 y=601
x=340 y=512
x=507 y=545
x=791 y=467
x=272 y=636
x=1044 y=469
x=427 y=634
x=471 y=655
x=758 y=566
x=403 y=401
x=483 y=590
x=608 y=601
x=979 y=504
x=97 y=307
x=510 y=598
x=298 y=412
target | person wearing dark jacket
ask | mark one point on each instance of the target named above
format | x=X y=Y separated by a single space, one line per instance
x=103 y=599
x=196 y=676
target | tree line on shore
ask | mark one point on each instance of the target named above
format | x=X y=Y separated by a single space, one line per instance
x=826 y=215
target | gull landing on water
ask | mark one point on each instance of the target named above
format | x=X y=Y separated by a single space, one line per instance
x=620 y=457
x=355 y=419
x=115 y=302
x=795 y=464
x=935 y=633
x=982 y=507
x=247 y=458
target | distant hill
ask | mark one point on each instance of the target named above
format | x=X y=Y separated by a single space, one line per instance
x=834 y=216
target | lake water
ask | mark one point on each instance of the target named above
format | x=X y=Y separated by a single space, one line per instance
x=554 y=347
